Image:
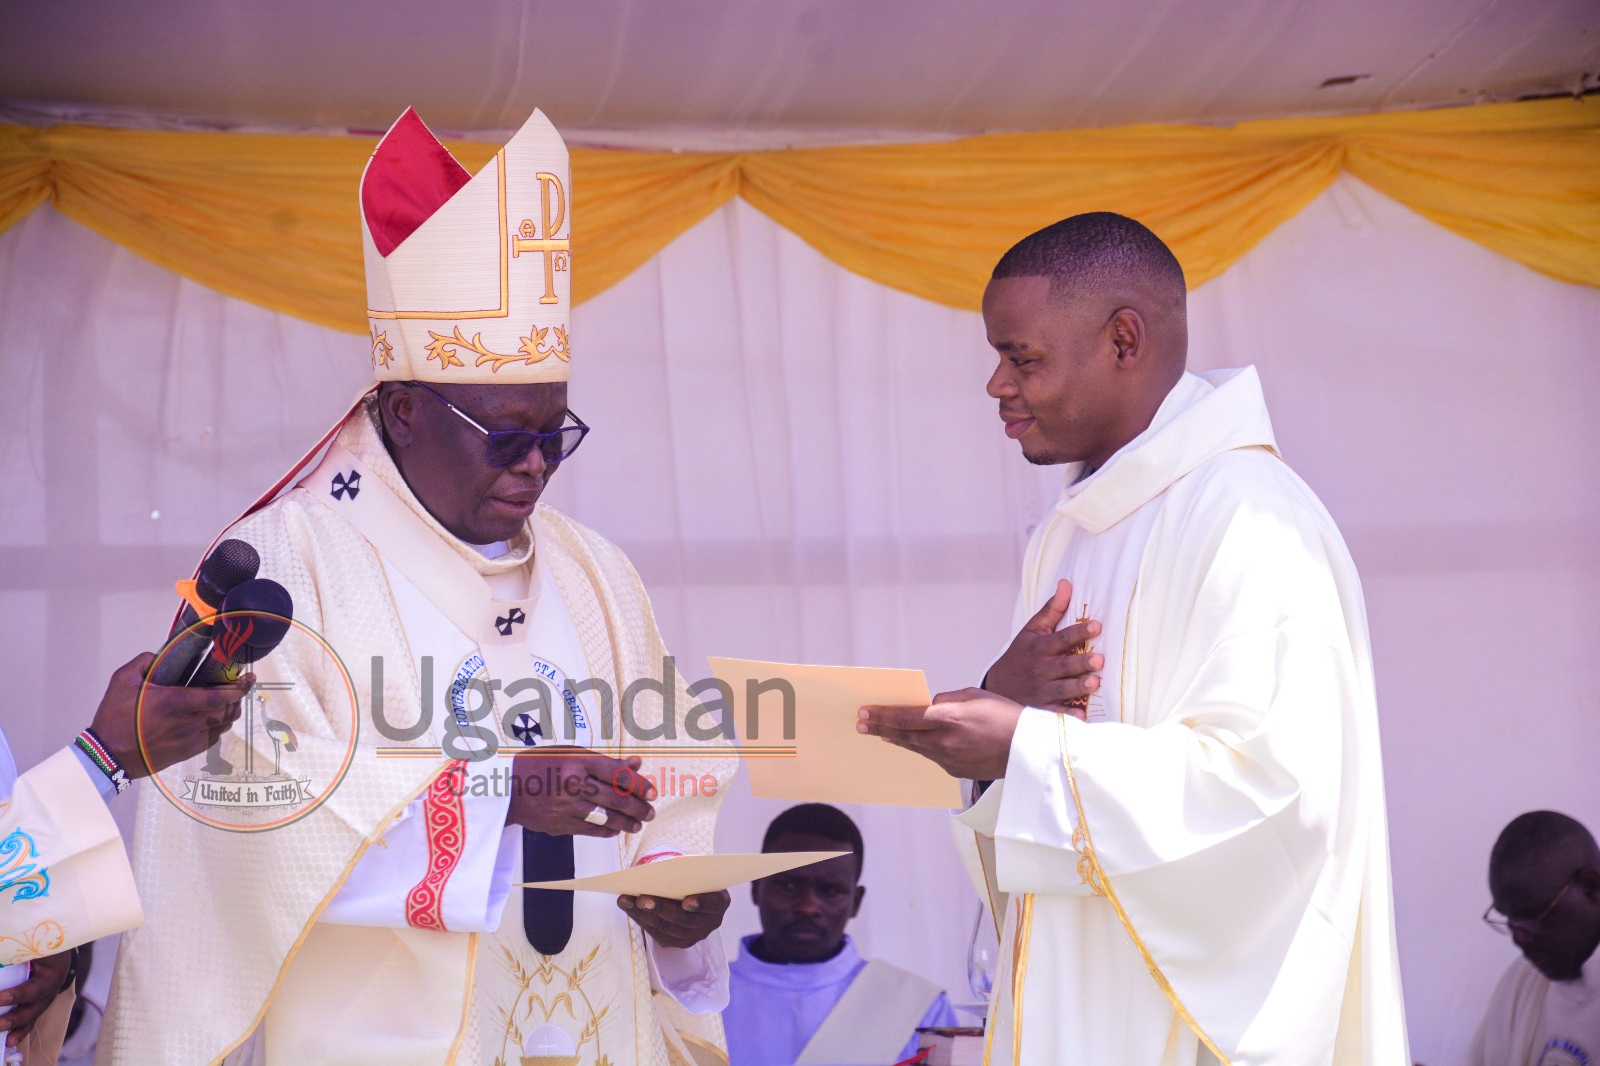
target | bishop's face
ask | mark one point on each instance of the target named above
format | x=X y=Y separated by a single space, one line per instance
x=1055 y=381
x=444 y=459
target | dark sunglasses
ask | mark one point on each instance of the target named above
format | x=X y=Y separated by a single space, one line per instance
x=507 y=447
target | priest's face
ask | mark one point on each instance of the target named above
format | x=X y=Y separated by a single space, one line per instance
x=1555 y=914
x=804 y=911
x=445 y=460
x=1060 y=395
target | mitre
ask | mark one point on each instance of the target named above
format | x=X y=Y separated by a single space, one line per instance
x=469 y=277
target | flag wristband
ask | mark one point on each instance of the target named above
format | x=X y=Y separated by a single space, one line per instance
x=101 y=756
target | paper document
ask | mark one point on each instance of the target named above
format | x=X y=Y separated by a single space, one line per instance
x=689 y=875
x=831 y=762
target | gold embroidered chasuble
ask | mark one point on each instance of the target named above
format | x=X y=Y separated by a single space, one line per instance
x=229 y=913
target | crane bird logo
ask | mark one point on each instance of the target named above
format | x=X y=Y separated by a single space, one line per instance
x=282 y=737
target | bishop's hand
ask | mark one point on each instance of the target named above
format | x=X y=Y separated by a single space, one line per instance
x=1050 y=668
x=565 y=791
x=677 y=923
x=968 y=733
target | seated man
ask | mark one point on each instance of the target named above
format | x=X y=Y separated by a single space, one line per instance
x=1544 y=875
x=798 y=992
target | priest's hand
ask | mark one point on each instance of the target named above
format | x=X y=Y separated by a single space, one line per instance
x=563 y=791
x=175 y=723
x=47 y=979
x=968 y=733
x=677 y=923
x=1050 y=668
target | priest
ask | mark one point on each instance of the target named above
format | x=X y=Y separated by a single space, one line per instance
x=1179 y=809
x=64 y=875
x=356 y=903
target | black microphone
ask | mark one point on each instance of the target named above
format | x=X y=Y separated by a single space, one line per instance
x=229 y=564
x=252 y=620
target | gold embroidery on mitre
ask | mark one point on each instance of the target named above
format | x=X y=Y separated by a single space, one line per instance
x=382 y=350
x=557 y=252
x=533 y=349
x=440 y=348
x=537 y=351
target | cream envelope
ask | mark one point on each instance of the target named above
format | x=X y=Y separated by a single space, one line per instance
x=831 y=762
x=690 y=875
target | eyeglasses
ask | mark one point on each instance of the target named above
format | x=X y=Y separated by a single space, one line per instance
x=1527 y=926
x=507 y=447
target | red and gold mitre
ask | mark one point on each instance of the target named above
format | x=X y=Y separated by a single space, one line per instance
x=469 y=278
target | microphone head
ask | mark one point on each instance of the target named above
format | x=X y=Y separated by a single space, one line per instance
x=260 y=609
x=230 y=563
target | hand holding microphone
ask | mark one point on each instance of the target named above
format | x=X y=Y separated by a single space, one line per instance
x=182 y=703
x=177 y=723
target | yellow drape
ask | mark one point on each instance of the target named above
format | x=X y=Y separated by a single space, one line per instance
x=272 y=219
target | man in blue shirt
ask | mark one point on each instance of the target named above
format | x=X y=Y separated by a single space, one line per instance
x=799 y=992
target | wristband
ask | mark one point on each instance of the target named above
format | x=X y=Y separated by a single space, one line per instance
x=101 y=756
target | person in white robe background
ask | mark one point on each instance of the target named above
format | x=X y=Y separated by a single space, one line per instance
x=382 y=926
x=1544 y=878
x=1184 y=842
x=64 y=874
x=799 y=992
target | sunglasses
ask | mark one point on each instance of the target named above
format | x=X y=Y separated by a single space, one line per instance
x=507 y=447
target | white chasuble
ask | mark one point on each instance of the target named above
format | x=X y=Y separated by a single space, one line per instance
x=1199 y=871
x=379 y=939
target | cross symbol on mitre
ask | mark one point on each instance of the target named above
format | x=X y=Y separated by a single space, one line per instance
x=526 y=729
x=510 y=618
x=556 y=252
x=343 y=484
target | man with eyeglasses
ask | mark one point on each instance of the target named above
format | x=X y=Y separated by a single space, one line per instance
x=1544 y=877
x=800 y=992
x=389 y=925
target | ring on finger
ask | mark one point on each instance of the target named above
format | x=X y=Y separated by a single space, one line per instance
x=596 y=816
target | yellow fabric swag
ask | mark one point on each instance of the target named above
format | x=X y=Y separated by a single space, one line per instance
x=272 y=219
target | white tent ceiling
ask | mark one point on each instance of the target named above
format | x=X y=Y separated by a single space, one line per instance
x=807 y=67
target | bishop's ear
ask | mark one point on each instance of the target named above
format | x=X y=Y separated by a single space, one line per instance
x=1127 y=337
x=395 y=411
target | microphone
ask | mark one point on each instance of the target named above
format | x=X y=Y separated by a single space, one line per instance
x=230 y=563
x=253 y=620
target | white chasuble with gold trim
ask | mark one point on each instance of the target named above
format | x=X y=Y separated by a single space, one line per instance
x=1199 y=872
x=304 y=955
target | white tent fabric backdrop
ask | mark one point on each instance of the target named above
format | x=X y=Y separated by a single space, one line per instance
x=804 y=466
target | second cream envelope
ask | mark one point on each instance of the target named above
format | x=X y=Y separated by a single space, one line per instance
x=832 y=763
x=690 y=875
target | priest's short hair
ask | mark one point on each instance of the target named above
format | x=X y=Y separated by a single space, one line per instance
x=1096 y=252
